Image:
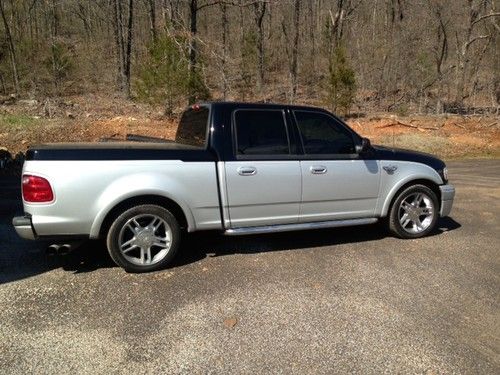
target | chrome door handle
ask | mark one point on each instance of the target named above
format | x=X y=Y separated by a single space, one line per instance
x=247 y=171
x=318 y=169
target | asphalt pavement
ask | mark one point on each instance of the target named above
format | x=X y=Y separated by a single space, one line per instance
x=347 y=300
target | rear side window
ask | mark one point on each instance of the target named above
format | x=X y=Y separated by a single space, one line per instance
x=192 y=129
x=322 y=134
x=261 y=132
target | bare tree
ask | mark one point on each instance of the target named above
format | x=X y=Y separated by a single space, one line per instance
x=259 y=13
x=421 y=54
x=343 y=12
x=152 y=19
x=128 y=54
x=123 y=42
x=225 y=32
x=295 y=50
x=312 y=35
x=119 y=43
x=193 y=22
x=472 y=37
x=440 y=51
x=12 y=50
x=55 y=51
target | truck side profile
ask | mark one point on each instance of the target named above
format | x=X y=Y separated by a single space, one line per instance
x=239 y=168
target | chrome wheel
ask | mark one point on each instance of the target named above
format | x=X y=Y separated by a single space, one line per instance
x=145 y=239
x=416 y=213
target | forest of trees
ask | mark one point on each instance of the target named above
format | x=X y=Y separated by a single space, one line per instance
x=427 y=56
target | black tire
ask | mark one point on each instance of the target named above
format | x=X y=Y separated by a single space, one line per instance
x=396 y=212
x=123 y=226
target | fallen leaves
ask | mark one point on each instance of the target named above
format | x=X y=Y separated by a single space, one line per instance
x=230 y=322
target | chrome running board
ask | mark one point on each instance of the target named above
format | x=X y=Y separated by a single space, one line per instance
x=300 y=226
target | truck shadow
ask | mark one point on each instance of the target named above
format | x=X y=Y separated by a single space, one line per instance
x=30 y=257
x=200 y=245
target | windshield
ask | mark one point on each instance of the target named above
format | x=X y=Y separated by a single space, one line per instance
x=192 y=128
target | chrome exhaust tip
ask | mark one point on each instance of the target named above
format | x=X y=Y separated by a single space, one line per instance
x=52 y=250
x=64 y=249
x=59 y=249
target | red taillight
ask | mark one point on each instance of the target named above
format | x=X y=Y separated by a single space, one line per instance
x=37 y=189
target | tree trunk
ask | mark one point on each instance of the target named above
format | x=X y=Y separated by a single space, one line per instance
x=37 y=30
x=225 y=31
x=130 y=28
x=167 y=14
x=152 y=20
x=53 y=37
x=295 y=50
x=120 y=50
x=441 y=54
x=171 y=13
x=260 y=12
x=312 y=37
x=12 y=50
x=463 y=51
x=337 y=22
x=192 y=46
x=2 y=83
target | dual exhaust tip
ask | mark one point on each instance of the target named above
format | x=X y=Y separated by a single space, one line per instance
x=59 y=249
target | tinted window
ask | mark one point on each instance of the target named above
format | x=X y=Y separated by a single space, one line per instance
x=192 y=129
x=261 y=133
x=322 y=134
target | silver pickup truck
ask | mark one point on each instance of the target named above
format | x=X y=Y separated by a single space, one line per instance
x=239 y=168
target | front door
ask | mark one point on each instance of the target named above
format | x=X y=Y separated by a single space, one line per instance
x=336 y=183
x=263 y=184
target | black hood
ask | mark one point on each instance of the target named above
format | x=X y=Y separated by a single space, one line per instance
x=386 y=153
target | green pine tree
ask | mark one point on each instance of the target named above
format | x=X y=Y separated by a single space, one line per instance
x=340 y=82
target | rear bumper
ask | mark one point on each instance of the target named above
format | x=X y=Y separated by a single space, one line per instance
x=447 y=196
x=24 y=227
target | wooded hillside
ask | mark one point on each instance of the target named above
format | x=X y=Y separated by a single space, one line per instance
x=427 y=56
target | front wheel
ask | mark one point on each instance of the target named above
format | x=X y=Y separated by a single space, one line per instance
x=143 y=238
x=414 y=212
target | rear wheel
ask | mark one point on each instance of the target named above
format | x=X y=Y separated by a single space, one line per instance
x=414 y=212
x=143 y=238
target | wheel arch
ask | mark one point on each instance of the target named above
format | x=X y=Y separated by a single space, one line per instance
x=117 y=209
x=399 y=188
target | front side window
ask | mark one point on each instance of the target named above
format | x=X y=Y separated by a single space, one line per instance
x=322 y=134
x=261 y=132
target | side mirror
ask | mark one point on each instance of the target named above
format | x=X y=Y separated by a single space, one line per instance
x=364 y=146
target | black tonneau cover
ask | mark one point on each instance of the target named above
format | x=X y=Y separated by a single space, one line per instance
x=118 y=151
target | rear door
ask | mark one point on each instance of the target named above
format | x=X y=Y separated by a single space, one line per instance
x=263 y=182
x=336 y=182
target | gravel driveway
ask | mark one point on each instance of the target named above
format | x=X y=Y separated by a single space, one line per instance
x=329 y=301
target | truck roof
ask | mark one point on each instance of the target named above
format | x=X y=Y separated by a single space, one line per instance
x=231 y=105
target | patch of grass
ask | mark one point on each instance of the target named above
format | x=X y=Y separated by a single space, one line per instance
x=488 y=154
x=437 y=145
x=419 y=142
x=15 y=120
x=402 y=110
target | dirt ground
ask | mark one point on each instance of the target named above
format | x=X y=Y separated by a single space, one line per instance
x=96 y=118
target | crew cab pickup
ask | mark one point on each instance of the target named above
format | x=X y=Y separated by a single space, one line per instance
x=239 y=168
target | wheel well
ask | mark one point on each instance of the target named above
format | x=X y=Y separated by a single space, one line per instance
x=430 y=184
x=169 y=204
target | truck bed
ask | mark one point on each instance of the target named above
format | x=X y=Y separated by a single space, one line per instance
x=100 y=173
